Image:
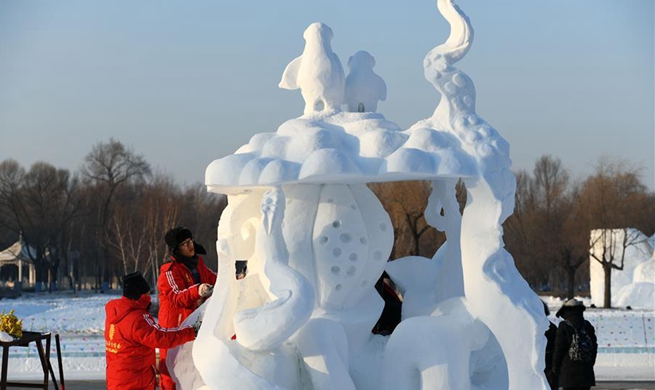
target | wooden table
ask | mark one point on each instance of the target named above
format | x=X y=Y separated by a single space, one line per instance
x=44 y=356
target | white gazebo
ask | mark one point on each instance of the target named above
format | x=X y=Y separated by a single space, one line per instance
x=18 y=255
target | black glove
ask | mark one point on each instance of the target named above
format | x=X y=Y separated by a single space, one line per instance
x=196 y=326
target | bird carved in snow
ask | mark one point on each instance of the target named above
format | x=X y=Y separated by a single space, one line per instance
x=364 y=88
x=317 y=72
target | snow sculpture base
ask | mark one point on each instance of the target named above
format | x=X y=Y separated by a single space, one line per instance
x=317 y=239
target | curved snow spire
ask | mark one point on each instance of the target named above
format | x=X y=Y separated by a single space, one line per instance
x=461 y=33
x=455 y=86
x=492 y=284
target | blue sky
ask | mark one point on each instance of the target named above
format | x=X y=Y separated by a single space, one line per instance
x=186 y=82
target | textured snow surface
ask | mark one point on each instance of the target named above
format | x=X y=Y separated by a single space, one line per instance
x=344 y=147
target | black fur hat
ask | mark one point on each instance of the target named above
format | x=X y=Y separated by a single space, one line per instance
x=177 y=235
x=134 y=285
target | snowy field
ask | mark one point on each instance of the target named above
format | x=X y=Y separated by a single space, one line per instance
x=626 y=338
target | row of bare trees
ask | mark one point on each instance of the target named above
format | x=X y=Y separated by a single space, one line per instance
x=106 y=220
x=41 y=203
x=554 y=218
x=549 y=233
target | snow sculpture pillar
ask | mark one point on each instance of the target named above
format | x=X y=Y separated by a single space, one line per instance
x=492 y=283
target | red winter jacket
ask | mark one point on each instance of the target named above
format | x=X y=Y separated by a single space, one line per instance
x=178 y=292
x=131 y=336
x=178 y=298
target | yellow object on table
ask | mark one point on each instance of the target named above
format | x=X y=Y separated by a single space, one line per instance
x=10 y=324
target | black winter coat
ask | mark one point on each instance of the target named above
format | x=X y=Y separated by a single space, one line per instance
x=573 y=374
x=551 y=334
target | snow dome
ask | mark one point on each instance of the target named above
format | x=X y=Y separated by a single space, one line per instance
x=317 y=239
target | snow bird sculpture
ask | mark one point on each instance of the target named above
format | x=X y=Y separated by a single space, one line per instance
x=364 y=88
x=317 y=72
x=292 y=297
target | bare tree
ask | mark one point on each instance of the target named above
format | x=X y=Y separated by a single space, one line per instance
x=516 y=226
x=540 y=233
x=143 y=213
x=109 y=165
x=521 y=233
x=573 y=241
x=405 y=202
x=608 y=247
x=127 y=238
x=12 y=176
x=67 y=208
x=161 y=205
x=553 y=210
x=614 y=199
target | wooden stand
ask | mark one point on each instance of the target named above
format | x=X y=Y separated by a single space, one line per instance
x=44 y=356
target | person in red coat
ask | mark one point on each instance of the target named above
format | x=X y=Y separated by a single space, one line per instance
x=184 y=283
x=132 y=334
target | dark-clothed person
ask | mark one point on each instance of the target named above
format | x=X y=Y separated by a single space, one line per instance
x=574 y=374
x=131 y=336
x=184 y=283
x=392 y=312
x=550 y=334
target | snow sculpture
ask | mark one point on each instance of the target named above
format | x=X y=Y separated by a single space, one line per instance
x=363 y=87
x=317 y=72
x=438 y=359
x=317 y=239
x=634 y=285
x=291 y=297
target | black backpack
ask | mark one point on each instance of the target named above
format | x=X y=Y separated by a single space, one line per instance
x=582 y=348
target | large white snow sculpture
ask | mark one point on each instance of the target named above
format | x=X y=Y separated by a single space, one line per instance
x=634 y=285
x=317 y=239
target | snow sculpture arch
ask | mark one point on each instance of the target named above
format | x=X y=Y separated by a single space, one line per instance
x=316 y=240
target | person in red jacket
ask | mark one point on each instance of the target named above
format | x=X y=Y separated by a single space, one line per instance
x=132 y=334
x=184 y=283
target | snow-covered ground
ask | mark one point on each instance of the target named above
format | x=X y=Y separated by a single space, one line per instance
x=626 y=338
x=78 y=319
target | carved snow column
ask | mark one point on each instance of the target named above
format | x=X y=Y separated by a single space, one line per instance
x=236 y=237
x=495 y=291
x=450 y=280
